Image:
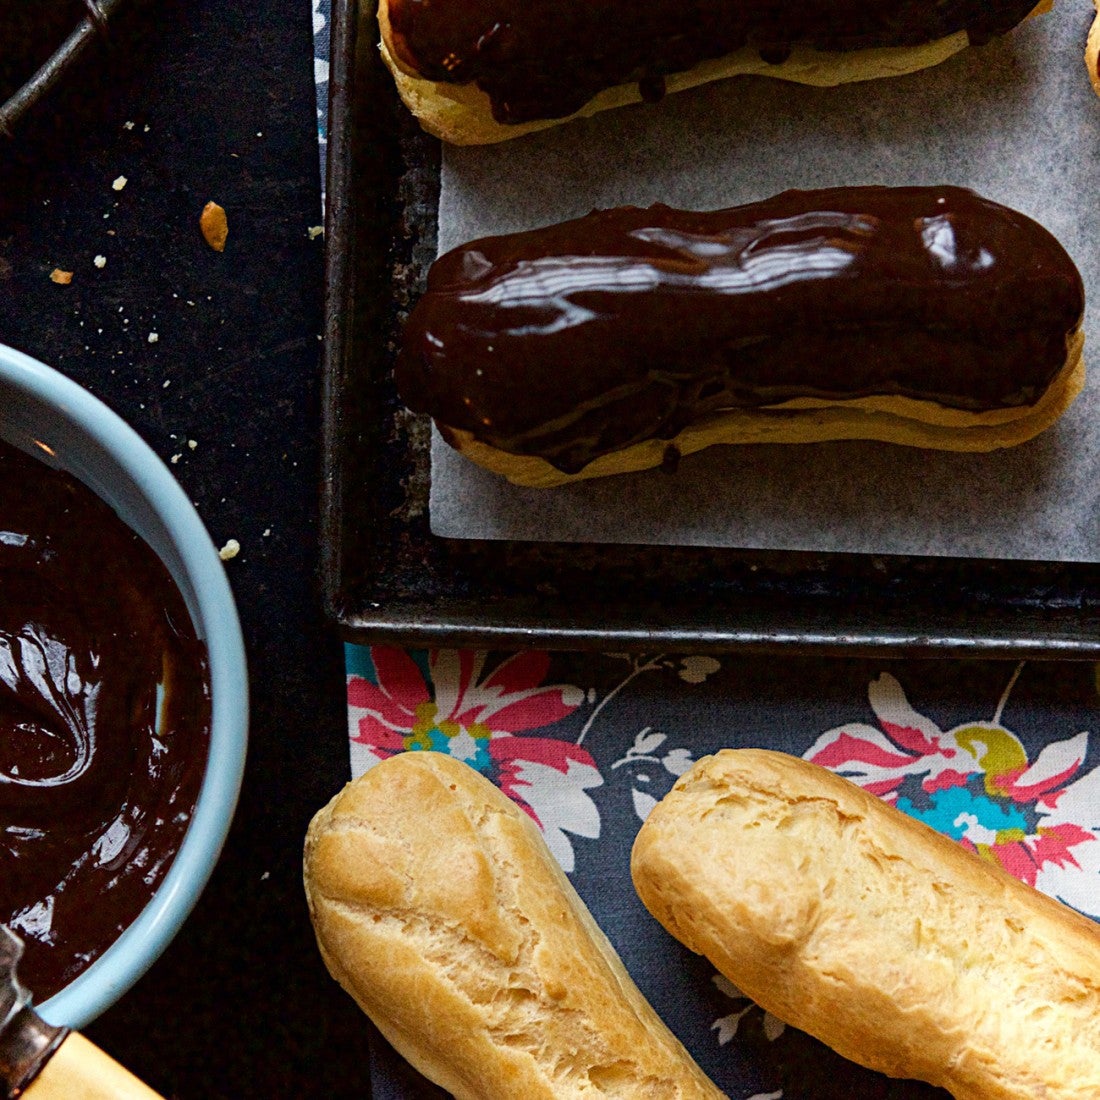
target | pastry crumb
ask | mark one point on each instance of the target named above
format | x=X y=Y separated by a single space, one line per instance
x=192 y=443
x=230 y=550
x=128 y=125
x=153 y=337
x=100 y=262
x=315 y=231
x=214 y=226
x=62 y=278
x=120 y=183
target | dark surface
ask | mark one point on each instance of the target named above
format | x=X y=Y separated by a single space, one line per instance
x=387 y=577
x=240 y=1005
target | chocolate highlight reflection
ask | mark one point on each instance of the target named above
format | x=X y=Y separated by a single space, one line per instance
x=104 y=720
x=925 y=315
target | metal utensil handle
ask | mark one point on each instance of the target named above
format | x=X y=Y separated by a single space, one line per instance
x=25 y=1042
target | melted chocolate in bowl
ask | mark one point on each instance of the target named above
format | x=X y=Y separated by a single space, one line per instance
x=104 y=720
x=539 y=59
x=582 y=338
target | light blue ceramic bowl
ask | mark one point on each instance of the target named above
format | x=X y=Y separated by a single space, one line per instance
x=39 y=405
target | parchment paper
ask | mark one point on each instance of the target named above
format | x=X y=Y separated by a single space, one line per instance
x=1016 y=120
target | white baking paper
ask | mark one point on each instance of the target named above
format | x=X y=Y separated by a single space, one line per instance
x=1016 y=120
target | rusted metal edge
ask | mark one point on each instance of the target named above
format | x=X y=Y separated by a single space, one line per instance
x=93 y=26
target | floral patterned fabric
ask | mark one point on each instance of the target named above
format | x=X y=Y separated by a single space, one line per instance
x=998 y=757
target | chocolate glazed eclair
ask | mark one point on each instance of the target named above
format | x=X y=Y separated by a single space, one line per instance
x=926 y=316
x=480 y=71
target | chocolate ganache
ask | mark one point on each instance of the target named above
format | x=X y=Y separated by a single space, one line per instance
x=582 y=338
x=538 y=59
x=104 y=720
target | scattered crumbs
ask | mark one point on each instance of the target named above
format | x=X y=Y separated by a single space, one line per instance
x=265 y=876
x=108 y=214
x=230 y=550
x=175 y=458
x=259 y=133
x=214 y=226
x=237 y=155
x=127 y=125
x=189 y=302
x=267 y=531
x=153 y=337
x=99 y=330
x=120 y=183
x=166 y=384
x=146 y=128
x=192 y=443
x=100 y=261
x=110 y=232
x=62 y=278
x=315 y=231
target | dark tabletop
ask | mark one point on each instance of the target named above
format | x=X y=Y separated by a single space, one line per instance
x=221 y=97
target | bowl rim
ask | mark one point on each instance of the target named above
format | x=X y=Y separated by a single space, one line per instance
x=130 y=956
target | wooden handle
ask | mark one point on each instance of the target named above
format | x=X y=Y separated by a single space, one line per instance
x=79 y=1070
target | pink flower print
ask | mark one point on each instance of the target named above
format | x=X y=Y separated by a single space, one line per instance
x=975 y=783
x=448 y=702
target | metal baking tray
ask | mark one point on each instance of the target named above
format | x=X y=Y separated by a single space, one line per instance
x=387 y=578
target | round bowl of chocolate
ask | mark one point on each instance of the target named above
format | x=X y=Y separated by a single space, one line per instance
x=123 y=695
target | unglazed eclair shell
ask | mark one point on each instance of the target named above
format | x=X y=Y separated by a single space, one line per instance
x=461 y=114
x=439 y=908
x=1092 y=52
x=864 y=927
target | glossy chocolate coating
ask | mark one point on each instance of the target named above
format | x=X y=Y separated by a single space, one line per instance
x=539 y=59
x=585 y=337
x=95 y=793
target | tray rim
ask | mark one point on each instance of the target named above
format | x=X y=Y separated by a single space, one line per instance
x=1065 y=628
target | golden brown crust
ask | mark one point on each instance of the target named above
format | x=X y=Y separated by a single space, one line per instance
x=439 y=908
x=894 y=945
x=461 y=114
x=1092 y=52
x=900 y=420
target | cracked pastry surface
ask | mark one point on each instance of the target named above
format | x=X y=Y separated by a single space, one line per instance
x=889 y=942
x=439 y=908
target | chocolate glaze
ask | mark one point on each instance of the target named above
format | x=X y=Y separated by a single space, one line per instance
x=95 y=793
x=585 y=337
x=539 y=59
